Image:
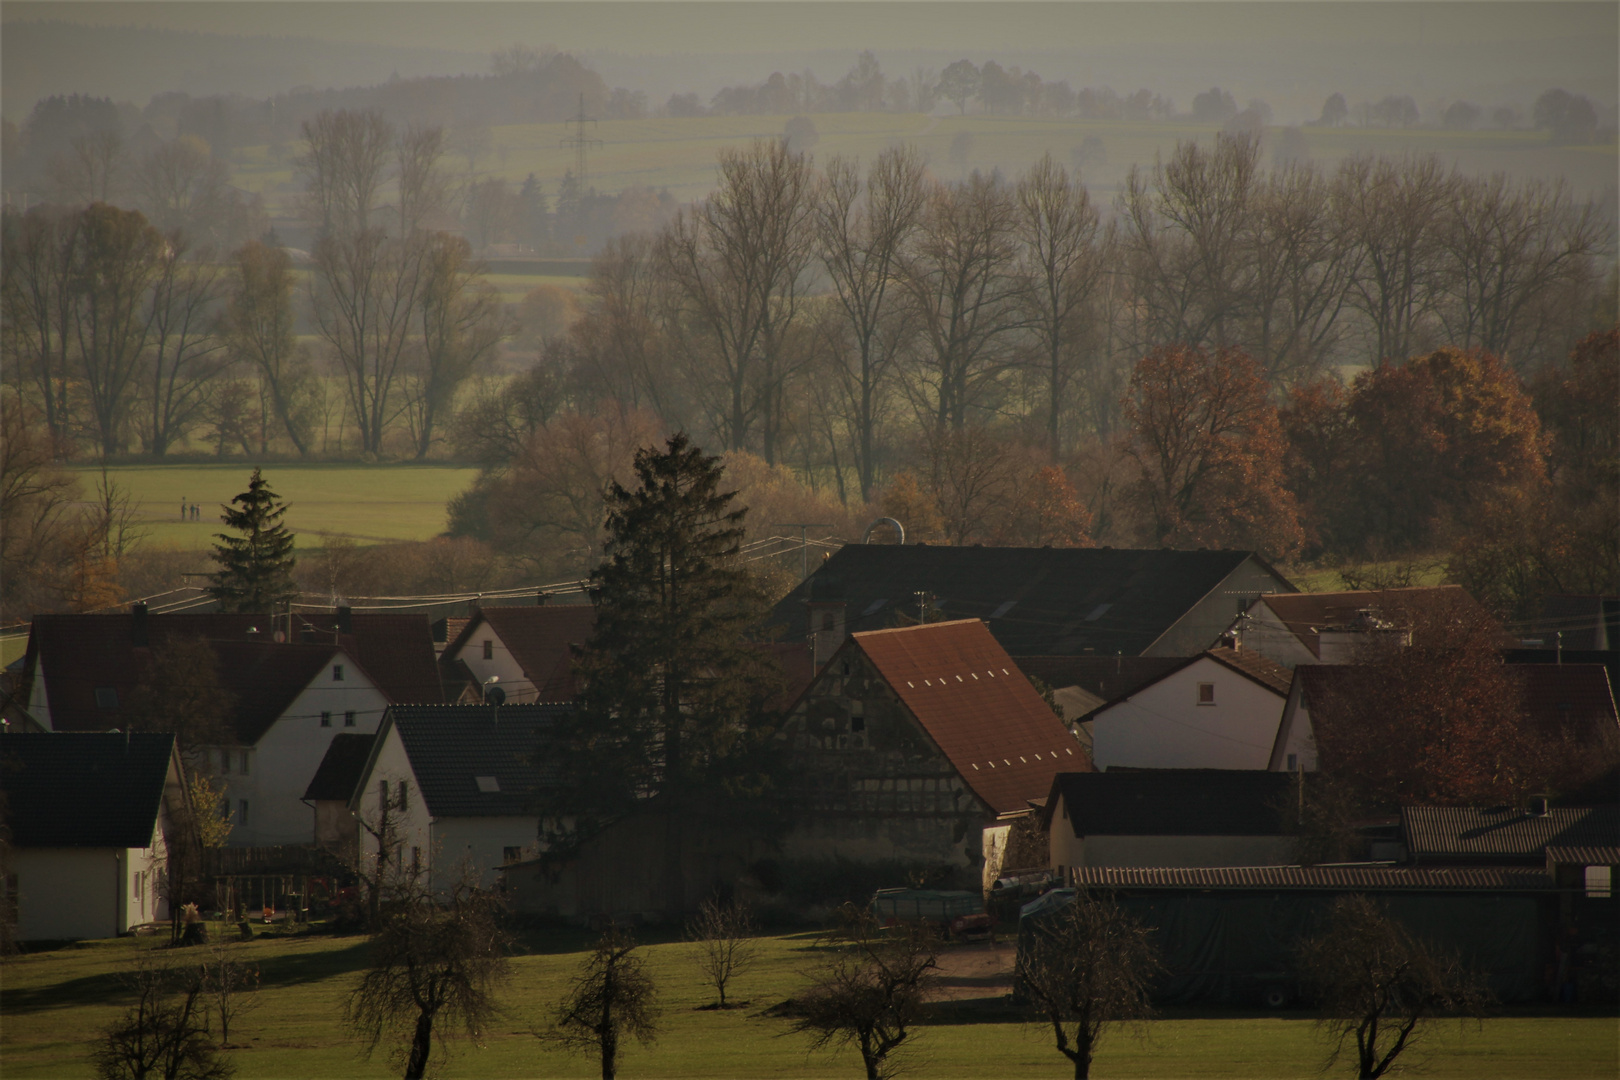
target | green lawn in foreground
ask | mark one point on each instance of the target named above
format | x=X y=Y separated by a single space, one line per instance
x=367 y=503
x=51 y=1004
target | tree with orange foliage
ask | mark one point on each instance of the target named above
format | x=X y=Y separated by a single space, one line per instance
x=1045 y=511
x=1317 y=428
x=1434 y=439
x=1209 y=453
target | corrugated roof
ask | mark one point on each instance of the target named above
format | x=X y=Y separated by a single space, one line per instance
x=1479 y=831
x=451 y=746
x=541 y=641
x=99 y=790
x=976 y=705
x=340 y=770
x=1037 y=601
x=1172 y=802
x=83 y=654
x=1305 y=613
x=1584 y=856
x=1371 y=878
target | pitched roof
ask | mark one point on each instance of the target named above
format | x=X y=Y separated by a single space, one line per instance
x=1332 y=878
x=83 y=654
x=1586 y=856
x=540 y=639
x=1037 y=601
x=84 y=790
x=340 y=770
x=1106 y=677
x=979 y=709
x=1505 y=831
x=1171 y=802
x=1250 y=664
x=451 y=747
x=1306 y=613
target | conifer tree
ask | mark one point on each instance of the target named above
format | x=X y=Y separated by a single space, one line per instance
x=255 y=568
x=673 y=713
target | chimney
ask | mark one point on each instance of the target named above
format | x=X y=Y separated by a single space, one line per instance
x=1538 y=806
x=345 y=619
x=541 y=597
x=139 y=631
x=306 y=635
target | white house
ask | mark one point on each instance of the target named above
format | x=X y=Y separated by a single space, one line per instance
x=1167 y=817
x=452 y=786
x=289 y=698
x=527 y=651
x=1216 y=710
x=91 y=819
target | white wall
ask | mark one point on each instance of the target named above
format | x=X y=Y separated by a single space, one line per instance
x=520 y=689
x=1267 y=635
x=69 y=892
x=1164 y=726
x=1295 y=747
x=284 y=761
x=479 y=842
x=1067 y=849
x=411 y=826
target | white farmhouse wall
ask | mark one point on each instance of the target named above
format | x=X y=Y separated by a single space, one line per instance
x=520 y=689
x=68 y=892
x=411 y=826
x=1164 y=726
x=284 y=761
x=1295 y=749
x=1269 y=636
x=480 y=843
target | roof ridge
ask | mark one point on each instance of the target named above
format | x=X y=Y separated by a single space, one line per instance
x=905 y=629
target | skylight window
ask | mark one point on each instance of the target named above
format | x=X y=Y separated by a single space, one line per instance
x=487 y=784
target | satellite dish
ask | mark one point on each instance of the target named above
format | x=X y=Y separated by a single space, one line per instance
x=494 y=695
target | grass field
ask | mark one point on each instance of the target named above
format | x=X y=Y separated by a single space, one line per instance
x=365 y=503
x=53 y=1002
x=679 y=154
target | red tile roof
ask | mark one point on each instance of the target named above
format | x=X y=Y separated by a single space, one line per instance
x=1305 y=613
x=541 y=640
x=976 y=705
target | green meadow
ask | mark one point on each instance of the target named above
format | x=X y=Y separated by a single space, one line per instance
x=365 y=503
x=53 y=1003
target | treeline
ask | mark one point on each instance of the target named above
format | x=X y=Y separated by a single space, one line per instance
x=999 y=361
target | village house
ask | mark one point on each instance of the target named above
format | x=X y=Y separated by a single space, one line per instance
x=1035 y=601
x=1293 y=628
x=1217 y=710
x=527 y=651
x=448 y=788
x=91 y=819
x=914 y=749
x=1167 y=818
x=289 y=699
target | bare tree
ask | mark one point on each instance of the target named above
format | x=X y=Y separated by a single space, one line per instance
x=962 y=282
x=91 y=170
x=118 y=258
x=346 y=157
x=434 y=963
x=736 y=264
x=612 y=999
x=724 y=935
x=860 y=231
x=230 y=985
x=1058 y=228
x=1380 y=986
x=185 y=350
x=1088 y=967
x=423 y=186
x=870 y=993
x=460 y=322
x=625 y=353
x=258 y=327
x=40 y=297
x=183 y=186
x=164 y=1033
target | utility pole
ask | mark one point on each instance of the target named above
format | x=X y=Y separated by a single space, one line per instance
x=579 y=143
x=804 y=541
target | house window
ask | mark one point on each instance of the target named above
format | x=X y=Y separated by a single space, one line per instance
x=135 y=884
x=489 y=649
x=242 y=763
x=224 y=761
x=337 y=672
x=1600 y=882
x=106 y=697
x=1293 y=762
x=348 y=718
x=382 y=794
x=242 y=813
x=326 y=719
x=510 y=855
x=1206 y=693
x=857 y=724
x=404 y=799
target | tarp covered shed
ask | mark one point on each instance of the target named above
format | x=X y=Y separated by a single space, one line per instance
x=1230 y=936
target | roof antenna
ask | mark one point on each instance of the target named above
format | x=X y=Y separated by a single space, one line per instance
x=1558 y=645
x=1119 y=661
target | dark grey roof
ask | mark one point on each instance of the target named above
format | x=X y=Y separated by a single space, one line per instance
x=451 y=746
x=1334 y=878
x=1505 y=831
x=83 y=789
x=1037 y=601
x=1585 y=856
x=1172 y=802
x=340 y=769
x=1108 y=677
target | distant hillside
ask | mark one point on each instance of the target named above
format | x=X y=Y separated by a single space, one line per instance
x=132 y=64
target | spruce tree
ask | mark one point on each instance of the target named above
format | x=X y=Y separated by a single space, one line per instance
x=255 y=568
x=673 y=714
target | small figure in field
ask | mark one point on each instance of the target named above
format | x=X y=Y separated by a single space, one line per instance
x=183 y=503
